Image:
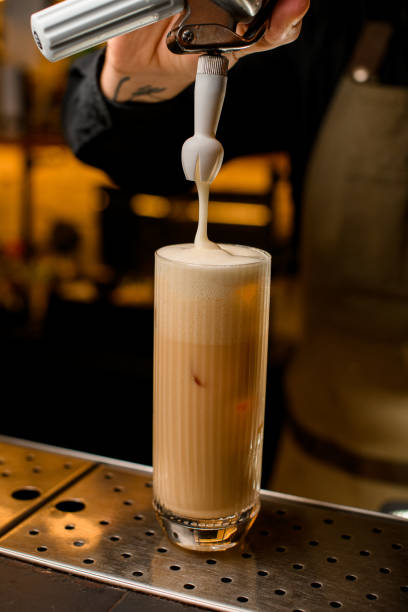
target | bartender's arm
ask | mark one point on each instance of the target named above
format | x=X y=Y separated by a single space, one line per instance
x=139 y=67
x=111 y=117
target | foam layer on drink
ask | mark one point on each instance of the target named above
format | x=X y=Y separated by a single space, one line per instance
x=216 y=255
x=218 y=290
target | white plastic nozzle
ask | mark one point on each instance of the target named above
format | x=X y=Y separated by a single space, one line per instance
x=202 y=154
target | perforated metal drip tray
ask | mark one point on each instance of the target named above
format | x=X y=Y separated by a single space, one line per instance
x=299 y=556
x=28 y=477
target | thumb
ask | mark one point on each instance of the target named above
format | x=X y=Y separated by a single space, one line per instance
x=283 y=27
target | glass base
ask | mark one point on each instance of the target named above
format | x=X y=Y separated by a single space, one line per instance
x=206 y=534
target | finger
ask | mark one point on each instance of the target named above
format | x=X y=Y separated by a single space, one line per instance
x=285 y=19
x=284 y=25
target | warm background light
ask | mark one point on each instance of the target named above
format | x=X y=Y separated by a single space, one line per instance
x=62 y=188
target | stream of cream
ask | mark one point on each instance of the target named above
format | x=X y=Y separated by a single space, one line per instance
x=201 y=240
x=204 y=251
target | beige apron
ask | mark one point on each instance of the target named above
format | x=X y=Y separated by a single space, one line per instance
x=347 y=438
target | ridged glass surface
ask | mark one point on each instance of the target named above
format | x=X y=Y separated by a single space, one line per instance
x=211 y=330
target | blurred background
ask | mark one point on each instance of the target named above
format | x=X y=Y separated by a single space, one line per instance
x=76 y=267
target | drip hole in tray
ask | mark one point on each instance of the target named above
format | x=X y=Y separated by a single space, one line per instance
x=70 y=505
x=189 y=586
x=26 y=493
x=137 y=574
x=34 y=532
x=226 y=580
x=262 y=573
x=298 y=566
x=336 y=604
x=371 y=596
x=242 y=599
x=175 y=568
x=385 y=570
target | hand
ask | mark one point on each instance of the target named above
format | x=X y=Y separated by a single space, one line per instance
x=139 y=67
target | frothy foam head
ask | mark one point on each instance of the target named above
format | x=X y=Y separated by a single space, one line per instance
x=222 y=255
x=216 y=293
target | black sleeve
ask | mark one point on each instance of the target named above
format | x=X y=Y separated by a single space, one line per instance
x=139 y=145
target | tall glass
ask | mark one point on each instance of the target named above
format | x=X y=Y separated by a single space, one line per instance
x=210 y=356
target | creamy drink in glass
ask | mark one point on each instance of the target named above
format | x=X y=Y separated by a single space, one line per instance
x=210 y=357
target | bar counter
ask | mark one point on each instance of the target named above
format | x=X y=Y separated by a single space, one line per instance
x=78 y=532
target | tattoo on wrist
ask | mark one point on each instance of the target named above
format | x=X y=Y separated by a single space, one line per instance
x=118 y=86
x=145 y=90
x=148 y=90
